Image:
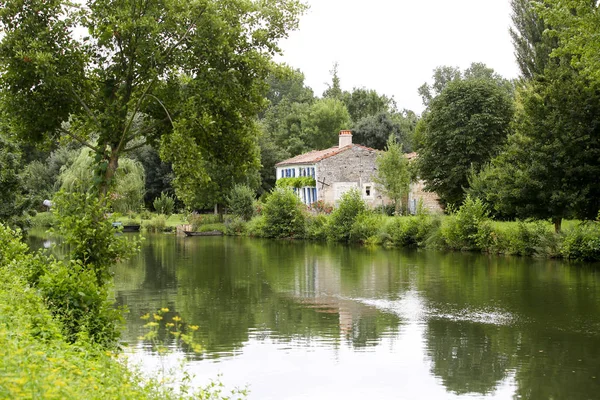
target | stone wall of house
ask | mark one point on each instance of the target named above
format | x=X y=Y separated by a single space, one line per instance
x=353 y=168
x=430 y=200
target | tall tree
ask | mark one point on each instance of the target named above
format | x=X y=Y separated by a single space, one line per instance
x=334 y=90
x=363 y=103
x=374 y=131
x=442 y=76
x=393 y=174
x=192 y=69
x=574 y=25
x=550 y=168
x=323 y=122
x=532 y=46
x=464 y=127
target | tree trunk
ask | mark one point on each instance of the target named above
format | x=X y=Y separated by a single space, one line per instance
x=557 y=222
x=111 y=169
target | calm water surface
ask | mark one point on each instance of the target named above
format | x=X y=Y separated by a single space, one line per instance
x=312 y=321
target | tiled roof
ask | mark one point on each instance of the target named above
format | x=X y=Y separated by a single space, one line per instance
x=317 y=155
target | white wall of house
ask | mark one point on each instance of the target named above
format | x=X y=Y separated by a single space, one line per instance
x=307 y=194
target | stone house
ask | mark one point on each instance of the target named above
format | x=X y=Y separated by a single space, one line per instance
x=338 y=169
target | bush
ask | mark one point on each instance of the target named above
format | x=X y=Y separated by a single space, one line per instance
x=582 y=242
x=341 y=220
x=316 y=227
x=164 y=204
x=241 y=202
x=80 y=304
x=321 y=207
x=235 y=226
x=410 y=231
x=43 y=219
x=461 y=231
x=284 y=217
x=156 y=224
x=256 y=226
x=367 y=226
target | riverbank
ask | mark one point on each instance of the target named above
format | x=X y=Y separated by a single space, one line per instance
x=469 y=229
x=37 y=359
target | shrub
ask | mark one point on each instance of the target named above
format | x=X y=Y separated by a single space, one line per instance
x=410 y=231
x=316 y=227
x=235 y=226
x=461 y=231
x=342 y=218
x=80 y=304
x=321 y=207
x=164 y=204
x=582 y=242
x=43 y=219
x=367 y=226
x=284 y=217
x=256 y=226
x=241 y=202
x=156 y=224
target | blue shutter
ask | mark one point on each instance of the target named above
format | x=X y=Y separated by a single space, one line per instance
x=314 y=193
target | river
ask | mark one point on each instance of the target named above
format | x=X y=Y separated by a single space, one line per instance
x=297 y=320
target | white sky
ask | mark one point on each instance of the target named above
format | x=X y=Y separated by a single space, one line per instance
x=393 y=46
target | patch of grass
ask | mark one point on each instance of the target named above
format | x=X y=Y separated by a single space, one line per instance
x=43 y=220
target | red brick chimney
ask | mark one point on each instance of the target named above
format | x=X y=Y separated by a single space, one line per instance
x=345 y=139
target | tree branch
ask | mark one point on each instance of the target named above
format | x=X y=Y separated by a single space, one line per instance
x=80 y=140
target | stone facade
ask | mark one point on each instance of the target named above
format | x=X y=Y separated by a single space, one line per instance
x=352 y=168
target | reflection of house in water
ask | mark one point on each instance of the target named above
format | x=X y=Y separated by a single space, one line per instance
x=320 y=287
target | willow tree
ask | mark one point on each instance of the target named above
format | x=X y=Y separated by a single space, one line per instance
x=189 y=72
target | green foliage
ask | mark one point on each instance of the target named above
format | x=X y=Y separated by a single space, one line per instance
x=13 y=201
x=284 y=217
x=549 y=169
x=462 y=230
x=135 y=78
x=256 y=227
x=128 y=181
x=465 y=126
x=43 y=219
x=164 y=204
x=89 y=235
x=367 y=226
x=157 y=224
x=342 y=218
x=11 y=247
x=410 y=231
x=80 y=303
x=532 y=46
x=323 y=122
x=197 y=220
x=316 y=227
x=393 y=174
x=582 y=242
x=374 y=130
x=297 y=182
x=235 y=226
x=241 y=202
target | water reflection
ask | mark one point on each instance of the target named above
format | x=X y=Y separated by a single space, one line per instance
x=304 y=320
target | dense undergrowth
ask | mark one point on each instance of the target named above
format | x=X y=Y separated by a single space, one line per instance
x=468 y=229
x=59 y=329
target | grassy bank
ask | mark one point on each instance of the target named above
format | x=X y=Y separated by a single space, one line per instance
x=38 y=359
x=469 y=229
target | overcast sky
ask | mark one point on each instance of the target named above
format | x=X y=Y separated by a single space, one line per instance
x=393 y=46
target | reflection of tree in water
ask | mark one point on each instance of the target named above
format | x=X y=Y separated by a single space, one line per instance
x=238 y=289
x=558 y=365
x=468 y=357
